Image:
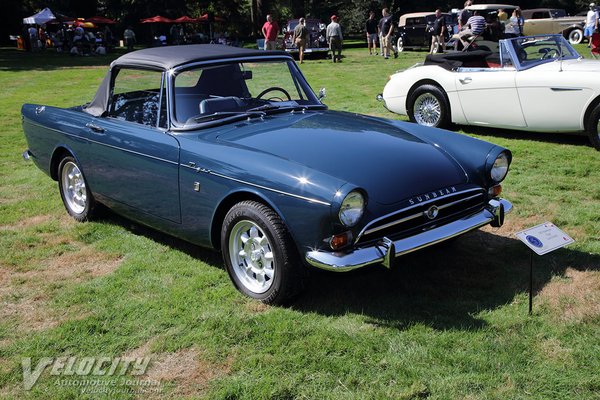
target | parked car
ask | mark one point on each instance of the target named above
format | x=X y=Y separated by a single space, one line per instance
x=552 y=20
x=229 y=148
x=316 y=43
x=415 y=30
x=535 y=83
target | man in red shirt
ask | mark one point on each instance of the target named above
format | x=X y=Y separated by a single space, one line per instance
x=270 y=30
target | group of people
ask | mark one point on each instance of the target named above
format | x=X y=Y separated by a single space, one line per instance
x=71 y=39
x=334 y=37
x=381 y=32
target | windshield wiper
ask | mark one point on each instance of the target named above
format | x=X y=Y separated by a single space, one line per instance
x=229 y=114
x=297 y=107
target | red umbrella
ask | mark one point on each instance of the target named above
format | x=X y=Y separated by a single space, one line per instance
x=101 y=20
x=185 y=19
x=157 y=19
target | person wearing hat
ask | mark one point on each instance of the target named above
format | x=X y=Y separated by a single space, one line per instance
x=591 y=23
x=334 y=38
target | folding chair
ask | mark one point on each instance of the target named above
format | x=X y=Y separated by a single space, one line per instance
x=595 y=45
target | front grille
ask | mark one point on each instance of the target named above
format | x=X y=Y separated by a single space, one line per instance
x=414 y=219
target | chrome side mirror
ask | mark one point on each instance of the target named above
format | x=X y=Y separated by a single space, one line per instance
x=322 y=93
x=379 y=97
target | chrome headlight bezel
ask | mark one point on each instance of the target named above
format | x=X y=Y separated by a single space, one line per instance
x=499 y=168
x=352 y=208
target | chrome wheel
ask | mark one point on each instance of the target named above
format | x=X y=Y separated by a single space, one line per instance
x=74 y=190
x=427 y=110
x=252 y=256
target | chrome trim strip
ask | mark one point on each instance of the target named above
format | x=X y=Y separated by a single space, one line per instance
x=104 y=144
x=361 y=257
x=204 y=170
x=376 y=220
x=557 y=89
x=411 y=217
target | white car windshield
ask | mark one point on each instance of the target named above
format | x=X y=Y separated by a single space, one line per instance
x=534 y=50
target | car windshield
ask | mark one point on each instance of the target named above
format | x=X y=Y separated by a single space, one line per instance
x=534 y=50
x=223 y=91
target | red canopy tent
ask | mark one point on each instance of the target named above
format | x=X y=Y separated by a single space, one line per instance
x=157 y=19
x=185 y=19
x=204 y=18
x=100 y=20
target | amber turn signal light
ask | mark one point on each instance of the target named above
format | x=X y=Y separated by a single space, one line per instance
x=495 y=191
x=340 y=240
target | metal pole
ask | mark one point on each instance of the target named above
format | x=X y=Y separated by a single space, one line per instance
x=530 y=282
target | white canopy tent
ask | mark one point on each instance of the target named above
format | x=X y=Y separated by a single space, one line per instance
x=40 y=18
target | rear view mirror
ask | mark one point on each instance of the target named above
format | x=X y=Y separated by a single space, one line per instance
x=247 y=75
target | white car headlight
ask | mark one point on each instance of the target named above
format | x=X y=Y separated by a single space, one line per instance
x=500 y=168
x=352 y=208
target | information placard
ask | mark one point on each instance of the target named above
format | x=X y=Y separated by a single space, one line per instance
x=544 y=238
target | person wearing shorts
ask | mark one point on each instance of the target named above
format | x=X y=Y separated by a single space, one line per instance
x=371 y=29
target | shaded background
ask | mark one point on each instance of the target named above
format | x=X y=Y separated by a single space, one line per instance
x=244 y=17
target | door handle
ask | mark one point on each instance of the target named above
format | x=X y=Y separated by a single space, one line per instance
x=465 y=80
x=94 y=128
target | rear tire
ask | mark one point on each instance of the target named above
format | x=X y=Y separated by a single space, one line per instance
x=259 y=255
x=428 y=106
x=74 y=191
x=593 y=127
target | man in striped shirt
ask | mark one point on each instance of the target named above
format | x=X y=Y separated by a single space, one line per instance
x=474 y=27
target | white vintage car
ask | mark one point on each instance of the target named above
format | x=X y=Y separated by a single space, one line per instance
x=533 y=83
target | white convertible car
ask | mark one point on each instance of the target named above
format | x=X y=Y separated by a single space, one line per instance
x=533 y=83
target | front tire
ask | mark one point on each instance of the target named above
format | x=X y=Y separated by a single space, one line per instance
x=575 y=36
x=593 y=127
x=428 y=106
x=259 y=255
x=400 y=45
x=74 y=191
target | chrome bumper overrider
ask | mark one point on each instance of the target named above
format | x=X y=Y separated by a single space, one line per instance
x=387 y=250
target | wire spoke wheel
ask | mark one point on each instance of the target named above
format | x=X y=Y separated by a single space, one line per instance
x=427 y=110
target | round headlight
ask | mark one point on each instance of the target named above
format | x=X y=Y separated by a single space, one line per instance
x=500 y=168
x=352 y=208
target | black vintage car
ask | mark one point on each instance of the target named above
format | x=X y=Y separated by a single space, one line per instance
x=316 y=43
x=415 y=30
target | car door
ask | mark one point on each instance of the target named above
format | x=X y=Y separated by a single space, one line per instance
x=553 y=100
x=489 y=96
x=136 y=159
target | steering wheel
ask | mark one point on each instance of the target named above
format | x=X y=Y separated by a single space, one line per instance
x=548 y=53
x=273 y=89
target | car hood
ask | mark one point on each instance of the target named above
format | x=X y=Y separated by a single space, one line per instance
x=374 y=154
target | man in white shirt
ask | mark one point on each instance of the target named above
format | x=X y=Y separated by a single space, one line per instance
x=591 y=23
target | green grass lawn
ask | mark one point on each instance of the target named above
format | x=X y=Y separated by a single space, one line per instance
x=449 y=323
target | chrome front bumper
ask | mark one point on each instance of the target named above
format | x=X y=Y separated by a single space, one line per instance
x=387 y=250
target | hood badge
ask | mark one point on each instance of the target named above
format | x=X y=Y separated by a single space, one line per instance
x=432 y=212
x=432 y=195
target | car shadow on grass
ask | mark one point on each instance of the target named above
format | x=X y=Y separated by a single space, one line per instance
x=573 y=139
x=444 y=286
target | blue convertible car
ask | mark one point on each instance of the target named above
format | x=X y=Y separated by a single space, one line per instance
x=230 y=148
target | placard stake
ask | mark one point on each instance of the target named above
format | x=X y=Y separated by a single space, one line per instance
x=530 y=282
